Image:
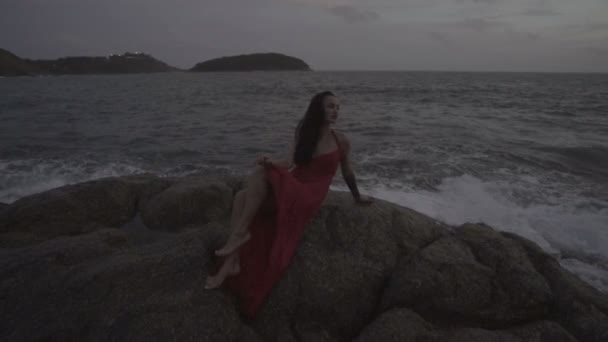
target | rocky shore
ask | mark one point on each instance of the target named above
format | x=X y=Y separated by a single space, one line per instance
x=126 y=258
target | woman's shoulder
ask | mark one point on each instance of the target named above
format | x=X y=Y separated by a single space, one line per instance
x=342 y=138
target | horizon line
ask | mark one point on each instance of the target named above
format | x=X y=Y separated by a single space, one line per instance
x=464 y=70
x=349 y=70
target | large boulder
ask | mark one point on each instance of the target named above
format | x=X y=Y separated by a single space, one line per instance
x=475 y=275
x=401 y=324
x=188 y=202
x=97 y=287
x=343 y=263
x=575 y=305
x=76 y=209
x=444 y=280
x=379 y=272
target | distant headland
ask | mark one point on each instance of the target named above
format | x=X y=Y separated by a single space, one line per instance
x=127 y=63
x=11 y=65
x=137 y=62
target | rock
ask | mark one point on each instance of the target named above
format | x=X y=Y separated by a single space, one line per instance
x=76 y=209
x=521 y=293
x=401 y=324
x=575 y=305
x=397 y=325
x=542 y=331
x=342 y=265
x=188 y=202
x=381 y=272
x=247 y=334
x=476 y=275
x=97 y=291
x=444 y=281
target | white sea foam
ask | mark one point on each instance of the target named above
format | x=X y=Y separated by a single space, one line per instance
x=19 y=178
x=592 y=273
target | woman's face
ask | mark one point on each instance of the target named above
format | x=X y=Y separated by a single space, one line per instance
x=331 y=105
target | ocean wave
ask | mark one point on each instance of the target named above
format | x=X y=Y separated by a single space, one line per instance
x=588 y=154
x=23 y=177
x=20 y=178
x=570 y=224
x=592 y=160
x=591 y=272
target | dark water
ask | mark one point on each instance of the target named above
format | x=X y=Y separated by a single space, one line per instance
x=523 y=152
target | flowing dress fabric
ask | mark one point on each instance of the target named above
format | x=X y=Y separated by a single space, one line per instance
x=295 y=198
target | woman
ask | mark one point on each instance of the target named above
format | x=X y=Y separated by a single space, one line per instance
x=262 y=242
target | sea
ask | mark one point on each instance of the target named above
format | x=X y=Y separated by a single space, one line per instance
x=523 y=152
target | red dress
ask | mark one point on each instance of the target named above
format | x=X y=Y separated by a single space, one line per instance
x=275 y=234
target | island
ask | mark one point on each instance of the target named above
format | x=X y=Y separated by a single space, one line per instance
x=127 y=63
x=253 y=62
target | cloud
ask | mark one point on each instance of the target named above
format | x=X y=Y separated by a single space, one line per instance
x=539 y=12
x=590 y=31
x=478 y=1
x=351 y=14
x=596 y=26
x=540 y=9
x=533 y=35
x=478 y=24
x=597 y=51
x=440 y=38
x=527 y=35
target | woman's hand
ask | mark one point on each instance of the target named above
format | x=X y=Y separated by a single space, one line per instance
x=364 y=200
x=263 y=161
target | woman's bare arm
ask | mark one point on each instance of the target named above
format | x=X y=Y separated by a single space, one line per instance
x=345 y=165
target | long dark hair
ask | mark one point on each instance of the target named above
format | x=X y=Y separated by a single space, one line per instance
x=309 y=129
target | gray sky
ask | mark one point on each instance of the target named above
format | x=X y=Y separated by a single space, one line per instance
x=478 y=35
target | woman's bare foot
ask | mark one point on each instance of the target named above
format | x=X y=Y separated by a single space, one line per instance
x=234 y=242
x=231 y=267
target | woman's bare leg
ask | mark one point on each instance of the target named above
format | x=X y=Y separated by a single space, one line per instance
x=230 y=267
x=257 y=189
x=237 y=209
x=230 y=264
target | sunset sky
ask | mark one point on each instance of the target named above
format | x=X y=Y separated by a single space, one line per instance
x=475 y=35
